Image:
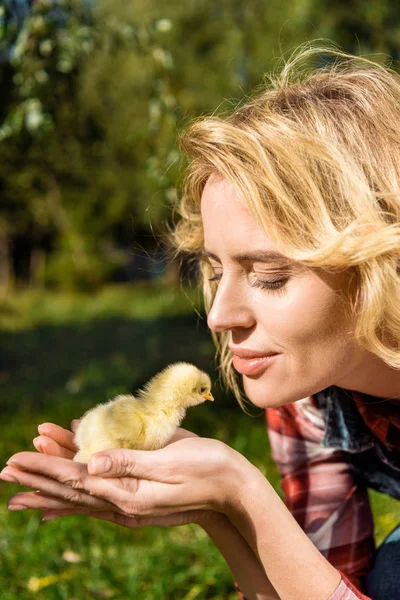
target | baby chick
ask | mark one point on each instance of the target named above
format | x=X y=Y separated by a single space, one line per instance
x=147 y=421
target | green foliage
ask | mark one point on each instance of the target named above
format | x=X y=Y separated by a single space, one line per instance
x=51 y=43
x=96 y=95
x=64 y=354
x=361 y=27
x=61 y=354
x=68 y=168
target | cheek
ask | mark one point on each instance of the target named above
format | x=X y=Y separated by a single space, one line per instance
x=309 y=328
x=309 y=315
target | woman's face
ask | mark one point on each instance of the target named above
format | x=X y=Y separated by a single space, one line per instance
x=270 y=305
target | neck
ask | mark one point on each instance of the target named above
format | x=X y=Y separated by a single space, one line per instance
x=375 y=378
x=157 y=405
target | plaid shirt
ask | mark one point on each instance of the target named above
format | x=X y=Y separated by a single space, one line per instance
x=319 y=486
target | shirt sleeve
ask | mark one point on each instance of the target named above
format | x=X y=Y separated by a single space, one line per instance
x=320 y=491
x=347 y=591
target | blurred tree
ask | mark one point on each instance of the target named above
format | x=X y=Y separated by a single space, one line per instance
x=95 y=97
x=361 y=27
x=44 y=52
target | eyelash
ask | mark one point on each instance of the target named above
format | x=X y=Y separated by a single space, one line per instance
x=269 y=286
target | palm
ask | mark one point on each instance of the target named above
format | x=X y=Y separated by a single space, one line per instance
x=56 y=441
x=180 y=434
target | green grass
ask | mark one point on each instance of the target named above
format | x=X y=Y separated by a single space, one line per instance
x=61 y=354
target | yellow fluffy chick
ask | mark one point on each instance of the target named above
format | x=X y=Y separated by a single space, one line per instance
x=147 y=421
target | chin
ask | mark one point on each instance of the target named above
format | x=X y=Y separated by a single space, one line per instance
x=263 y=395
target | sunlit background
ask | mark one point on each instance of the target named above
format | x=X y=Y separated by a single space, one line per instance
x=93 y=98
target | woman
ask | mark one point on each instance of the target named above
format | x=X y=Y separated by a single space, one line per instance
x=293 y=206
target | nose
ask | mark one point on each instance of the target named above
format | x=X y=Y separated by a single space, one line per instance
x=229 y=309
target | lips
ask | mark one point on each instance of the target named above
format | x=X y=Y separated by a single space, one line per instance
x=250 y=362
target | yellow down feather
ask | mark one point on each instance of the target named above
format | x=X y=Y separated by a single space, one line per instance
x=146 y=421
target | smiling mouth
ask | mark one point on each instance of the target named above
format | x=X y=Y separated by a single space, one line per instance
x=252 y=365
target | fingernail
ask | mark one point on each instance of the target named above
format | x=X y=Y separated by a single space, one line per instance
x=37 y=444
x=48 y=518
x=6 y=476
x=16 y=507
x=99 y=464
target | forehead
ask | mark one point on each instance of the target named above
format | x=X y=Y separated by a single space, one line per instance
x=229 y=226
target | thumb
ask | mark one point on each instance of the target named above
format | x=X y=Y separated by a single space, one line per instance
x=74 y=425
x=120 y=462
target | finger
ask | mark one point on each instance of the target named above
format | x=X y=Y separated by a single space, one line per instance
x=133 y=522
x=74 y=424
x=153 y=465
x=36 y=500
x=64 y=479
x=62 y=436
x=180 y=434
x=183 y=433
x=113 y=517
x=48 y=446
x=56 y=467
x=53 y=488
x=50 y=514
x=138 y=521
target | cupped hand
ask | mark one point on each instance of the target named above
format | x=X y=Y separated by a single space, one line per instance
x=57 y=441
x=54 y=440
x=187 y=481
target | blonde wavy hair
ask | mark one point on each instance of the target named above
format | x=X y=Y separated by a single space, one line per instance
x=316 y=156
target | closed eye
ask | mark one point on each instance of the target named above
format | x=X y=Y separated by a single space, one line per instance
x=272 y=285
x=268 y=285
x=257 y=276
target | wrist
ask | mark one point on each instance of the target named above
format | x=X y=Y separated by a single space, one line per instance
x=241 y=477
x=209 y=520
x=278 y=541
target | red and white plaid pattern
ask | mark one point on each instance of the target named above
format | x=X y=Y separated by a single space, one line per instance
x=320 y=492
x=345 y=591
x=319 y=488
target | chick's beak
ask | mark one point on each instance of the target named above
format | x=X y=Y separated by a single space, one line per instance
x=208 y=396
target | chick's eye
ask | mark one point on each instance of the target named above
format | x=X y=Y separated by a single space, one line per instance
x=202 y=390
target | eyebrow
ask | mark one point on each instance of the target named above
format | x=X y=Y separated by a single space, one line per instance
x=256 y=255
